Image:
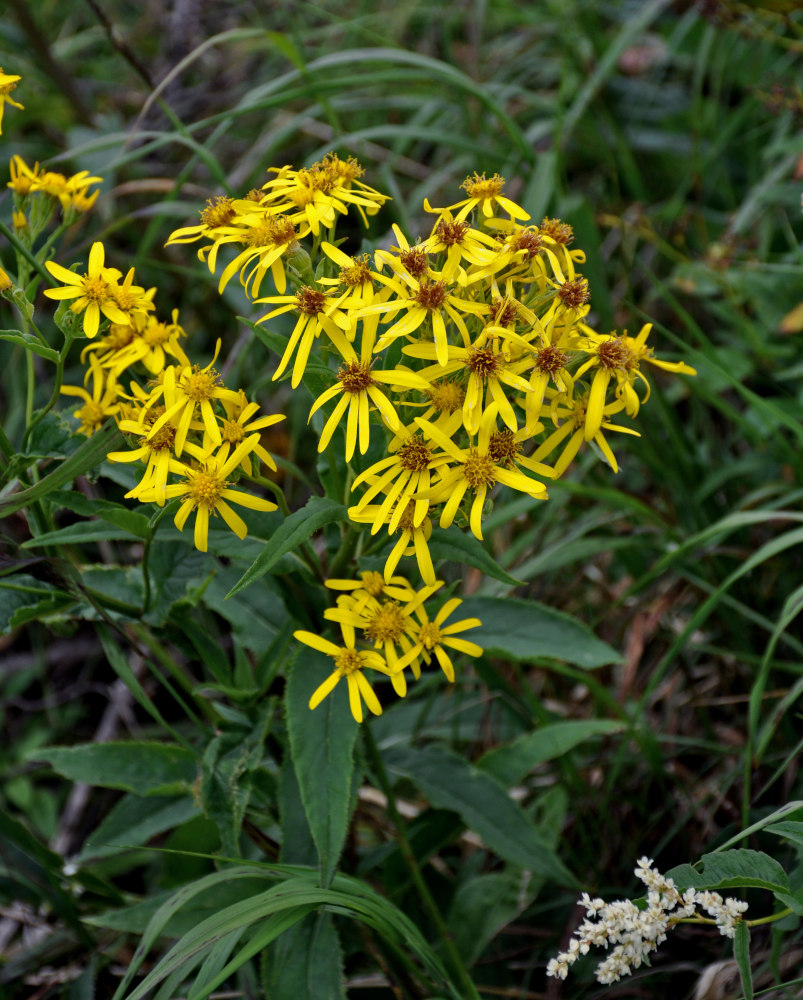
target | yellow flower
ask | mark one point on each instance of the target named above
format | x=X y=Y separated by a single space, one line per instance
x=355 y=275
x=373 y=585
x=479 y=468
x=349 y=663
x=387 y=623
x=619 y=358
x=358 y=387
x=457 y=240
x=157 y=451
x=488 y=367
x=151 y=341
x=267 y=238
x=574 y=414
x=93 y=292
x=5 y=281
x=23 y=177
x=206 y=489
x=487 y=194
x=432 y=636
x=316 y=312
x=412 y=540
x=215 y=224
x=184 y=389
x=7 y=83
x=237 y=425
x=100 y=405
x=425 y=299
x=403 y=477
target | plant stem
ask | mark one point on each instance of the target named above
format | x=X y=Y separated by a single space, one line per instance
x=408 y=855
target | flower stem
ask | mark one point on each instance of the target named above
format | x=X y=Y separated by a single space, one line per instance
x=468 y=988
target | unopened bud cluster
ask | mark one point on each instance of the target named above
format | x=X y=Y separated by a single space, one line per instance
x=635 y=932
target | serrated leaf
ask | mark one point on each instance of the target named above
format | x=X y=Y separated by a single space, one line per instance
x=450 y=782
x=295 y=529
x=322 y=748
x=510 y=764
x=133 y=821
x=141 y=768
x=30 y=343
x=465 y=549
x=526 y=631
x=736 y=869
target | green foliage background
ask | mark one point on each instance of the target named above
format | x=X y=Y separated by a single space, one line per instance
x=648 y=703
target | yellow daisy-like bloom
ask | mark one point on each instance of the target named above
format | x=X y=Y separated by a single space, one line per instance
x=574 y=414
x=316 y=312
x=98 y=406
x=355 y=275
x=267 y=238
x=486 y=193
x=405 y=261
x=23 y=177
x=93 y=291
x=403 y=477
x=238 y=424
x=317 y=193
x=479 y=468
x=619 y=357
x=151 y=342
x=206 y=490
x=8 y=82
x=351 y=664
x=488 y=367
x=133 y=299
x=435 y=637
x=185 y=389
x=424 y=300
x=413 y=539
x=388 y=624
x=358 y=387
x=457 y=240
x=156 y=452
x=215 y=224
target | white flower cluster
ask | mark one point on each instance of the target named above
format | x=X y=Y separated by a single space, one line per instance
x=636 y=932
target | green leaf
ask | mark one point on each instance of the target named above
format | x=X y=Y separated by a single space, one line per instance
x=465 y=549
x=322 y=747
x=84 y=531
x=741 y=952
x=30 y=343
x=174 y=568
x=737 y=869
x=526 y=631
x=510 y=764
x=133 y=821
x=141 y=768
x=450 y=782
x=86 y=457
x=307 y=961
x=294 y=530
x=790 y=830
x=20 y=593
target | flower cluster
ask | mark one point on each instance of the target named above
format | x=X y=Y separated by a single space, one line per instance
x=184 y=423
x=37 y=191
x=636 y=931
x=390 y=616
x=500 y=380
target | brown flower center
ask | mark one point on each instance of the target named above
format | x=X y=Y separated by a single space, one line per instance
x=503 y=447
x=574 y=293
x=355 y=377
x=549 y=360
x=431 y=295
x=414 y=260
x=561 y=232
x=415 y=455
x=218 y=212
x=614 y=354
x=483 y=362
x=451 y=233
x=310 y=300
